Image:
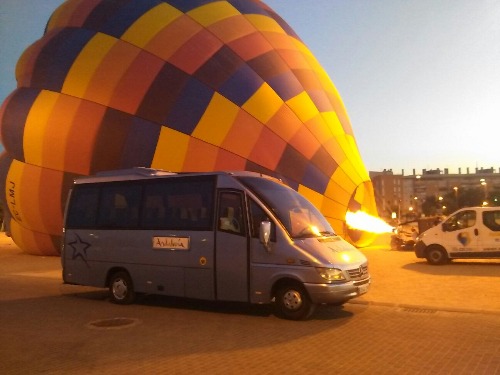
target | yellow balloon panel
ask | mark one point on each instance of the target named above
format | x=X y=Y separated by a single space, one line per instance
x=217 y=120
x=303 y=107
x=264 y=104
x=36 y=126
x=171 y=150
x=213 y=12
x=85 y=66
x=151 y=24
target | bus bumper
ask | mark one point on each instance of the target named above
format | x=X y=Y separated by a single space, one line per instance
x=337 y=293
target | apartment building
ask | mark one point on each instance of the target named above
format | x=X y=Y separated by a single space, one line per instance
x=401 y=196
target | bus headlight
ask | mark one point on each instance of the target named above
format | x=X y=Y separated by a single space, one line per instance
x=331 y=274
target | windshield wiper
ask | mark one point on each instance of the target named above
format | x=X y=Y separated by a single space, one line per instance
x=305 y=233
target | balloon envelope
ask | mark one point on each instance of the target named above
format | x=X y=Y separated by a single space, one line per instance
x=177 y=85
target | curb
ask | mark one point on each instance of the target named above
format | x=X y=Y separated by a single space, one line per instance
x=424 y=308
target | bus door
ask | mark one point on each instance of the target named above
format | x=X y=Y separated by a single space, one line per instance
x=231 y=243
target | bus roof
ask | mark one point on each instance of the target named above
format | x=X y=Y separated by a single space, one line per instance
x=142 y=173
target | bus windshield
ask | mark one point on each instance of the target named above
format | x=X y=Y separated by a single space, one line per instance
x=300 y=218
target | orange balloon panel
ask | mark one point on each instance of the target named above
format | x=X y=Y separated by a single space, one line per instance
x=34 y=196
x=183 y=85
x=34 y=243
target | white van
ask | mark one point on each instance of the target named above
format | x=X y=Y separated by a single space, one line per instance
x=472 y=232
x=219 y=236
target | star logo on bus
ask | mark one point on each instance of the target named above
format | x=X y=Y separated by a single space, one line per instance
x=79 y=248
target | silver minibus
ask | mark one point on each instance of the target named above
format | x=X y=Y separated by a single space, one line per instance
x=224 y=236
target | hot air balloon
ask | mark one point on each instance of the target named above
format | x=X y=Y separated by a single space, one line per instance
x=180 y=85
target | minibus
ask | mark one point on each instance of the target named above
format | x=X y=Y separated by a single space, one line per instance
x=472 y=232
x=221 y=236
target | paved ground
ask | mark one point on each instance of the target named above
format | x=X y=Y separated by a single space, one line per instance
x=416 y=319
x=401 y=279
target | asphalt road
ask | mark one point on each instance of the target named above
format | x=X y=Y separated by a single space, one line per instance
x=416 y=319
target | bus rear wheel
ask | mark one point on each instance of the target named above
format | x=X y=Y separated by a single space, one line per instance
x=292 y=302
x=121 y=288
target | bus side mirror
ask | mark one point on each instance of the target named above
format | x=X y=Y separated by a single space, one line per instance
x=265 y=234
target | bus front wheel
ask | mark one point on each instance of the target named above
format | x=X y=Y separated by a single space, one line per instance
x=292 y=302
x=121 y=289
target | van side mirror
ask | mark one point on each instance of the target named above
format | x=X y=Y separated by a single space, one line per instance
x=265 y=234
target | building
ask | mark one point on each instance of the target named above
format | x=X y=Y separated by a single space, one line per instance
x=401 y=196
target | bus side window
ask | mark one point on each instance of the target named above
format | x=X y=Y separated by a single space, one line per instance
x=154 y=211
x=231 y=218
x=257 y=215
x=178 y=204
x=119 y=206
x=82 y=212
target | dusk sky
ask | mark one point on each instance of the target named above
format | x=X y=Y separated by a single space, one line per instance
x=420 y=78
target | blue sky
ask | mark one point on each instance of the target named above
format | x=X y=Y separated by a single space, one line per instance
x=420 y=78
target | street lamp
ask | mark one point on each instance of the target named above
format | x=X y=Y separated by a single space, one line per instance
x=485 y=185
x=456 y=194
x=415 y=204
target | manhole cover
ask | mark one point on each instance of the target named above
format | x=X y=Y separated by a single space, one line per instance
x=113 y=323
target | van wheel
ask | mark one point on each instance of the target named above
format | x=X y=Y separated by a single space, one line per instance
x=121 y=289
x=292 y=302
x=436 y=255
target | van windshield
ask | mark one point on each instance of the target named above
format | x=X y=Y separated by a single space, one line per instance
x=300 y=218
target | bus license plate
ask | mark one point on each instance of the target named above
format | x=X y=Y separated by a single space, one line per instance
x=362 y=289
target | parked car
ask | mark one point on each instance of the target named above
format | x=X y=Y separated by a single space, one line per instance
x=405 y=234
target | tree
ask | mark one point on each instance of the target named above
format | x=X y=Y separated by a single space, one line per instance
x=452 y=201
x=429 y=205
x=494 y=198
x=471 y=197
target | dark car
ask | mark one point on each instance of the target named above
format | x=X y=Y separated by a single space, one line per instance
x=405 y=234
